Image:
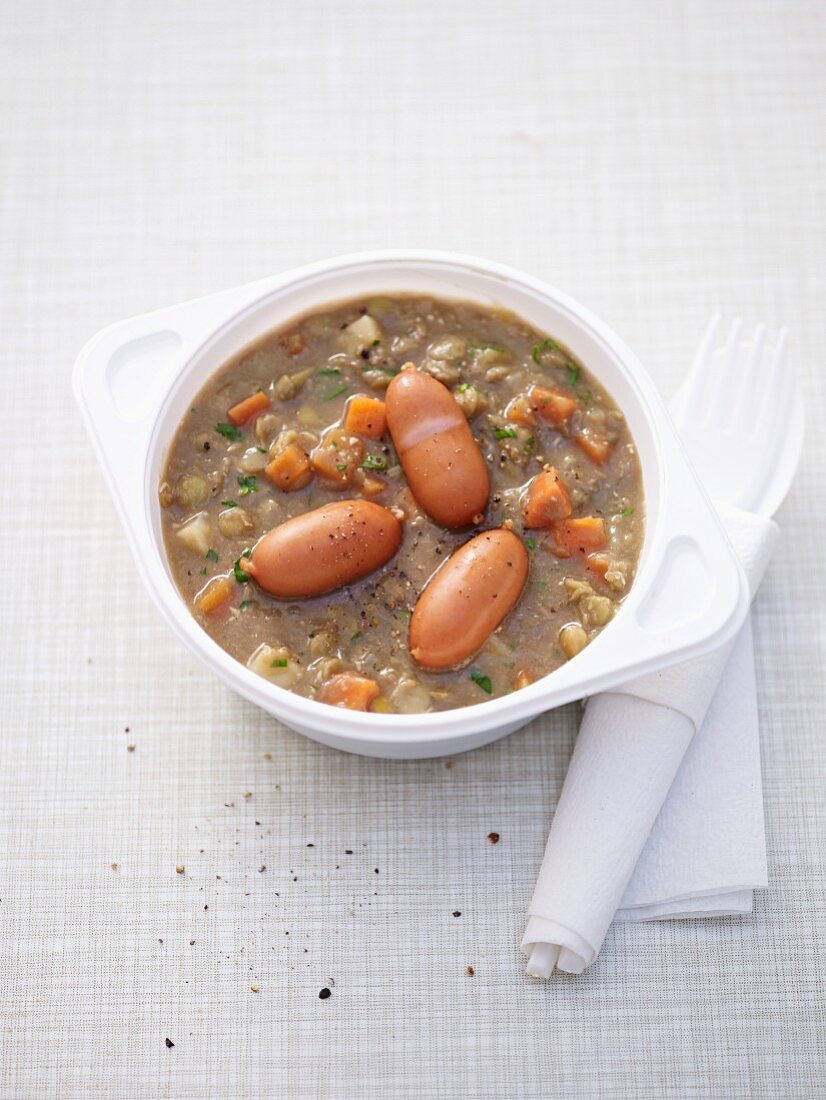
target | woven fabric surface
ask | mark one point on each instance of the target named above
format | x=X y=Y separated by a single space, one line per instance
x=657 y=161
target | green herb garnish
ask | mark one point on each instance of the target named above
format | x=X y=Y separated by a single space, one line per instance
x=279 y=662
x=243 y=604
x=403 y=613
x=229 y=431
x=240 y=575
x=482 y=681
x=337 y=392
x=341 y=468
x=573 y=373
x=229 y=504
x=530 y=443
x=530 y=543
x=355 y=637
x=203 y=571
x=463 y=387
x=374 y=462
x=248 y=483
x=505 y=433
x=329 y=372
x=211 y=554
x=625 y=512
x=546 y=345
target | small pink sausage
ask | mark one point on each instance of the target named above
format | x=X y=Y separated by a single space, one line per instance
x=467 y=598
x=324 y=549
x=445 y=469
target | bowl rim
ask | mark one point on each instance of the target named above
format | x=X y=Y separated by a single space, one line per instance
x=461 y=725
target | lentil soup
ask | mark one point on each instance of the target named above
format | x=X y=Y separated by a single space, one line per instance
x=403 y=504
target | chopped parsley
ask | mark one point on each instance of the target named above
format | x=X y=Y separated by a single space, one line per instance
x=355 y=637
x=240 y=575
x=248 y=483
x=243 y=604
x=546 y=345
x=482 y=681
x=530 y=443
x=229 y=431
x=403 y=613
x=505 y=433
x=229 y=504
x=279 y=662
x=573 y=373
x=211 y=554
x=203 y=571
x=530 y=543
x=374 y=462
x=541 y=584
x=463 y=387
x=337 y=392
x=341 y=467
x=329 y=372
x=625 y=512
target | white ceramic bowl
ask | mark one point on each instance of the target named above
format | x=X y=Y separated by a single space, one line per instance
x=135 y=380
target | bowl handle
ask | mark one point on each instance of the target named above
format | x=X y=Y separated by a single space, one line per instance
x=122 y=376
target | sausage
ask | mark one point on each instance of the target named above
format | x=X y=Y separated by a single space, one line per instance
x=467 y=598
x=445 y=469
x=324 y=549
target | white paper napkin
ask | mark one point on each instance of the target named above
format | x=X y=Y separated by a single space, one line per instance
x=705 y=849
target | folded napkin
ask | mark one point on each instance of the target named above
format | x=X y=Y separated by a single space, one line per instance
x=634 y=831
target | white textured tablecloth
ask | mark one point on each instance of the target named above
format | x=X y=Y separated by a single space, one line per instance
x=656 y=160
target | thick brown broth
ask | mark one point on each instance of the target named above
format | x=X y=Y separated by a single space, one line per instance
x=218 y=500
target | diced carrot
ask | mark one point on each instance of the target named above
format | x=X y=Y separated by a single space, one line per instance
x=547 y=499
x=290 y=469
x=555 y=407
x=293 y=343
x=215 y=595
x=521 y=412
x=348 y=689
x=595 y=446
x=337 y=457
x=366 y=416
x=372 y=486
x=598 y=563
x=242 y=412
x=578 y=536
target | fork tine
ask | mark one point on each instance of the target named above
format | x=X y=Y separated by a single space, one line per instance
x=695 y=400
x=721 y=377
x=772 y=390
x=743 y=396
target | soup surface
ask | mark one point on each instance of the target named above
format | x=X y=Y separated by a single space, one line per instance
x=336 y=418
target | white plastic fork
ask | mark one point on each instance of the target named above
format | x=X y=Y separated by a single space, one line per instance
x=740 y=415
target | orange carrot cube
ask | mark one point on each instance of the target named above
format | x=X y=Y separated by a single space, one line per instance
x=578 y=536
x=555 y=407
x=348 y=689
x=215 y=595
x=290 y=469
x=248 y=408
x=547 y=500
x=366 y=416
